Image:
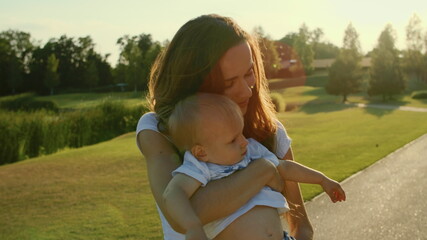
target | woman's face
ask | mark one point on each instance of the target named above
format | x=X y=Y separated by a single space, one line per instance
x=237 y=69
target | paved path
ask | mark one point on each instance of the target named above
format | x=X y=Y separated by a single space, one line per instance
x=388 y=200
x=403 y=108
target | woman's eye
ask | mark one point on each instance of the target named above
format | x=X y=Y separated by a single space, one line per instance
x=250 y=73
x=229 y=84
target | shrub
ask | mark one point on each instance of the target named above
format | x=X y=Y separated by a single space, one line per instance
x=43 y=132
x=26 y=102
x=10 y=140
x=420 y=95
x=30 y=134
x=80 y=128
x=34 y=136
x=278 y=101
x=58 y=134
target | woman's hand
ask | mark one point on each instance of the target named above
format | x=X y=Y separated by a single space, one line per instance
x=303 y=233
x=298 y=220
x=224 y=196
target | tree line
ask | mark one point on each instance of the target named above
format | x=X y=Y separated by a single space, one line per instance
x=390 y=67
x=71 y=64
x=67 y=64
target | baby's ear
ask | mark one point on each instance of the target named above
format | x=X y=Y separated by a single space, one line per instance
x=199 y=152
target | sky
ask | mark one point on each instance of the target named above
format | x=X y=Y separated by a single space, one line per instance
x=107 y=20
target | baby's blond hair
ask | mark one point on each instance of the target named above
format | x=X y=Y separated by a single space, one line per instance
x=186 y=121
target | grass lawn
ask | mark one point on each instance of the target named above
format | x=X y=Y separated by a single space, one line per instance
x=314 y=95
x=101 y=191
x=340 y=140
x=95 y=192
x=399 y=100
x=87 y=100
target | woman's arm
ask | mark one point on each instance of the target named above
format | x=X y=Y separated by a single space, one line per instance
x=298 y=221
x=224 y=196
x=220 y=197
x=177 y=201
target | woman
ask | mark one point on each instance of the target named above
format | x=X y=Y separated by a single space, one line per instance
x=213 y=54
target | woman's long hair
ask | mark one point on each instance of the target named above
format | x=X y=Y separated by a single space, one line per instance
x=189 y=64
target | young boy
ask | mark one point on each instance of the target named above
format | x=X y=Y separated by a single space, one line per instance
x=215 y=147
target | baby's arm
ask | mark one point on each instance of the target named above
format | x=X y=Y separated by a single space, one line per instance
x=293 y=171
x=176 y=198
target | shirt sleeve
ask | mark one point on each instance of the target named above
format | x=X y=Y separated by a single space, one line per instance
x=194 y=168
x=147 y=121
x=283 y=141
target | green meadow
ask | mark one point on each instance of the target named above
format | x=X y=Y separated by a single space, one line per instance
x=101 y=191
x=88 y=100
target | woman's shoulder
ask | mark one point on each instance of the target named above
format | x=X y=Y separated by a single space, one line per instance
x=148 y=121
x=283 y=141
x=281 y=130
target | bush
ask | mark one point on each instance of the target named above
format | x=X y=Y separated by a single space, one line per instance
x=34 y=135
x=278 y=101
x=10 y=141
x=30 y=134
x=80 y=128
x=26 y=102
x=420 y=95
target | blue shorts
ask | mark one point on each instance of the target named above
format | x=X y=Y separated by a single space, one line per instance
x=286 y=236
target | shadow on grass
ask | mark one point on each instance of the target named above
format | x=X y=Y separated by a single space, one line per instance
x=380 y=112
x=319 y=92
x=315 y=106
x=395 y=101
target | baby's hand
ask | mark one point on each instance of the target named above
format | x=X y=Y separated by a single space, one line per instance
x=333 y=189
x=196 y=233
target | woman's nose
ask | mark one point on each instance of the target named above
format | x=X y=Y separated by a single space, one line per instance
x=245 y=88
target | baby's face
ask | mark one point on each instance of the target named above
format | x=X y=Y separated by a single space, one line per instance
x=224 y=142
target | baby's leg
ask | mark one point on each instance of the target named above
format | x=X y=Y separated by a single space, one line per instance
x=260 y=223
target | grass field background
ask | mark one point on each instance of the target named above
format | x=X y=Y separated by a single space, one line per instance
x=101 y=191
x=88 y=100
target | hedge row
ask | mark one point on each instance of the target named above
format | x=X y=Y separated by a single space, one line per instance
x=420 y=95
x=30 y=134
x=26 y=102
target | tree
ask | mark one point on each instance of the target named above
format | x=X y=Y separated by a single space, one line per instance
x=4 y=61
x=104 y=69
x=386 y=75
x=301 y=43
x=21 y=46
x=269 y=52
x=16 y=50
x=289 y=39
x=15 y=77
x=91 y=75
x=80 y=66
x=136 y=57
x=68 y=52
x=413 y=57
x=51 y=79
x=324 y=50
x=304 y=49
x=135 y=72
x=345 y=74
x=315 y=37
x=351 y=41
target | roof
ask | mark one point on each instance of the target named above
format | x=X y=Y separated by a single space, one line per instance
x=326 y=63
